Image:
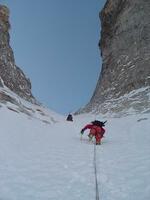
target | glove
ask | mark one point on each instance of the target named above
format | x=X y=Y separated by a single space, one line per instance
x=82 y=131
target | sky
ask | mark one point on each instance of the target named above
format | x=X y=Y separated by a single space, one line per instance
x=55 y=43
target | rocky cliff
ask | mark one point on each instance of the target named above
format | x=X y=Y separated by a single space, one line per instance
x=10 y=75
x=124 y=81
x=14 y=84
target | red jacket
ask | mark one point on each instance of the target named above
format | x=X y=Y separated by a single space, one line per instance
x=94 y=130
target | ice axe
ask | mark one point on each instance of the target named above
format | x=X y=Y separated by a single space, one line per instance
x=81 y=137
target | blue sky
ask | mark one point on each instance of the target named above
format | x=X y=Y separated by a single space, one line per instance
x=55 y=43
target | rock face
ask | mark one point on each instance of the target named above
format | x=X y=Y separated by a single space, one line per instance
x=125 y=51
x=10 y=75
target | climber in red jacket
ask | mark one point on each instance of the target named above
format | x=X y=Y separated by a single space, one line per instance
x=96 y=130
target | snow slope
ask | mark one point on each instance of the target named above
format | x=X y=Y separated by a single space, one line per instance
x=42 y=161
x=16 y=104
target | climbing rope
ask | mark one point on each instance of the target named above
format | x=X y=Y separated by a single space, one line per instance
x=95 y=172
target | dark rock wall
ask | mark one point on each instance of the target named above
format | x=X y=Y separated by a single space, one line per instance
x=11 y=75
x=125 y=51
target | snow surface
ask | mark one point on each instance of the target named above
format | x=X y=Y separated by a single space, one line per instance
x=19 y=105
x=41 y=161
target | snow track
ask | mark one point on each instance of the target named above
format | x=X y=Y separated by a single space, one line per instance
x=39 y=161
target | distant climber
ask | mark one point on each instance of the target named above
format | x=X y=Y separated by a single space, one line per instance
x=96 y=130
x=69 y=118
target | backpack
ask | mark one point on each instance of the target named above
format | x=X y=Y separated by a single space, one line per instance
x=98 y=123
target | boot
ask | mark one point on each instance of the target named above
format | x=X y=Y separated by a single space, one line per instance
x=90 y=137
x=98 y=143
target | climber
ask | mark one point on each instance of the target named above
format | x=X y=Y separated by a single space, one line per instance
x=69 y=118
x=96 y=130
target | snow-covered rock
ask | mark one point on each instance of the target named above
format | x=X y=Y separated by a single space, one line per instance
x=125 y=51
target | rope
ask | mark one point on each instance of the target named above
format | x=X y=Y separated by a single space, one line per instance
x=95 y=172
